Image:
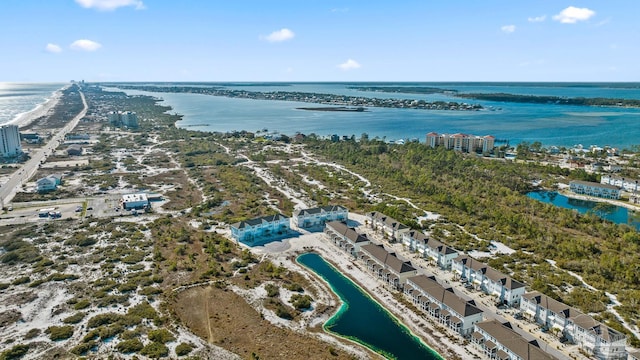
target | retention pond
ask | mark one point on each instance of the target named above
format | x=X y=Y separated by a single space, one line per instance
x=363 y=320
x=613 y=213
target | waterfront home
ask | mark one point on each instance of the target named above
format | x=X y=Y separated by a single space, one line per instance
x=605 y=191
x=386 y=266
x=489 y=280
x=48 y=183
x=345 y=237
x=317 y=217
x=577 y=327
x=443 y=304
x=630 y=185
x=74 y=150
x=429 y=248
x=499 y=341
x=388 y=227
x=259 y=230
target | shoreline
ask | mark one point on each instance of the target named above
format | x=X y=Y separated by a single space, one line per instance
x=343 y=308
x=26 y=118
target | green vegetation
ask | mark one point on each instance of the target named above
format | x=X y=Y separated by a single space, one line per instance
x=301 y=302
x=161 y=336
x=155 y=350
x=551 y=99
x=16 y=352
x=129 y=346
x=183 y=349
x=60 y=332
x=75 y=318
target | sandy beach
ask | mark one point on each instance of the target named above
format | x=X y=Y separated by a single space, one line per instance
x=26 y=118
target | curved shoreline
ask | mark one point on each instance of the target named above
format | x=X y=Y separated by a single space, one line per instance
x=344 y=307
x=26 y=118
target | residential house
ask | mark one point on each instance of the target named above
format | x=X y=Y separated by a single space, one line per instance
x=579 y=328
x=595 y=189
x=489 y=280
x=48 y=183
x=317 y=217
x=258 y=230
x=389 y=227
x=386 y=266
x=499 y=341
x=429 y=248
x=345 y=237
x=443 y=304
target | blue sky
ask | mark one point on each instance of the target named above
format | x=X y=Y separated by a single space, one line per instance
x=313 y=40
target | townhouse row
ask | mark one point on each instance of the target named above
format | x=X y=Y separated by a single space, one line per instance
x=438 y=302
x=593 y=337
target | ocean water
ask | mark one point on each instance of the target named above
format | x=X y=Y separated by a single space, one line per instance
x=560 y=125
x=18 y=98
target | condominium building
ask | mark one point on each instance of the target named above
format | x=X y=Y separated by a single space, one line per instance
x=462 y=142
x=123 y=118
x=429 y=248
x=489 y=280
x=345 y=237
x=386 y=266
x=259 y=230
x=10 y=141
x=389 y=227
x=605 y=191
x=577 y=327
x=630 y=185
x=317 y=217
x=499 y=341
x=443 y=304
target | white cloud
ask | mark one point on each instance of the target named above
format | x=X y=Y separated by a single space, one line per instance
x=283 y=34
x=349 y=65
x=508 y=29
x=85 y=45
x=537 y=19
x=572 y=15
x=53 y=48
x=108 y=5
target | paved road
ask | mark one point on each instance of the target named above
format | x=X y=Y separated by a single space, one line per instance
x=18 y=178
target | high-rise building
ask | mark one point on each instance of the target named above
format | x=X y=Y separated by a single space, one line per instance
x=123 y=118
x=462 y=142
x=9 y=141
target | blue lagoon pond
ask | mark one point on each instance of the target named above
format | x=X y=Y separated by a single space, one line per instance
x=613 y=213
x=363 y=320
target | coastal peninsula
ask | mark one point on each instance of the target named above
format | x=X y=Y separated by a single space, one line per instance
x=317 y=98
x=537 y=99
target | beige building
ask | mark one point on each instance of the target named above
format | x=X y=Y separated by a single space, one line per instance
x=462 y=142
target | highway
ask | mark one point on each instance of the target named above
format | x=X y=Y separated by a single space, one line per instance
x=28 y=169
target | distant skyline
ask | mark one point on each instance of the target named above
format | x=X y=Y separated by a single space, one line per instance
x=376 y=40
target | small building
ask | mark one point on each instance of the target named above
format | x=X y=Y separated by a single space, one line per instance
x=345 y=237
x=134 y=201
x=443 y=304
x=30 y=137
x=74 y=150
x=595 y=189
x=317 y=217
x=48 y=183
x=499 y=341
x=259 y=230
x=386 y=266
